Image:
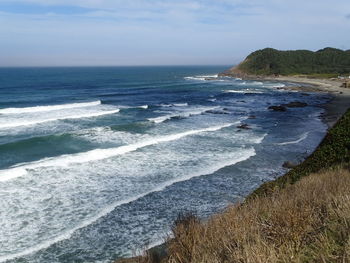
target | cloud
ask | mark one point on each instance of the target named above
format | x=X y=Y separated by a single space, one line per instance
x=119 y=32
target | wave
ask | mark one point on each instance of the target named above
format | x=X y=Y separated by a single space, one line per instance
x=243 y=155
x=180 y=104
x=279 y=86
x=174 y=105
x=303 y=137
x=34 y=122
x=162 y=118
x=143 y=107
x=95 y=155
x=202 y=77
x=250 y=83
x=180 y=115
x=49 y=108
x=243 y=91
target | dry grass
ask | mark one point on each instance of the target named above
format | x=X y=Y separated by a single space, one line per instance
x=308 y=221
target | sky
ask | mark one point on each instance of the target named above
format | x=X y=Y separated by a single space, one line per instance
x=164 y=32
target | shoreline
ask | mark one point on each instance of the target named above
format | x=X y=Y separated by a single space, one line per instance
x=335 y=108
x=333 y=111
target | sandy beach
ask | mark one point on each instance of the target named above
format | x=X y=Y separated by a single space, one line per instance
x=335 y=108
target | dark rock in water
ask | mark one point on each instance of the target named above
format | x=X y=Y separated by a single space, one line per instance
x=295 y=104
x=277 y=108
x=244 y=126
x=289 y=165
x=225 y=109
x=217 y=112
x=177 y=117
x=305 y=94
x=251 y=117
x=242 y=101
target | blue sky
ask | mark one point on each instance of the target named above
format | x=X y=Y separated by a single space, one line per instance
x=164 y=32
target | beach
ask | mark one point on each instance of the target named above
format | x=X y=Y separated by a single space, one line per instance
x=334 y=108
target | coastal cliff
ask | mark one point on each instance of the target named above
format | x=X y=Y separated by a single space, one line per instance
x=272 y=62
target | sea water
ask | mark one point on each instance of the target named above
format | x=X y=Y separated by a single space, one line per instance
x=96 y=163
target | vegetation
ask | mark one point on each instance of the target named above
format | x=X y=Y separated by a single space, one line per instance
x=303 y=216
x=305 y=222
x=270 y=61
x=333 y=150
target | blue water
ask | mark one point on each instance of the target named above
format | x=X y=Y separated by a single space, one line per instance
x=96 y=163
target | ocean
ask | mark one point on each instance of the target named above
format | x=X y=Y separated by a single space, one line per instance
x=97 y=162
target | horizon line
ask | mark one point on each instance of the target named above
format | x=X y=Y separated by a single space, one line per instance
x=110 y=66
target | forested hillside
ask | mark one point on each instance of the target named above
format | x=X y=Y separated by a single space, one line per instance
x=270 y=61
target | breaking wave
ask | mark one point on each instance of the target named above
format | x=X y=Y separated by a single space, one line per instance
x=15 y=123
x=97 y=154
x=49 y=108
x=243 y=155
x=179 y=115
x=302 y=137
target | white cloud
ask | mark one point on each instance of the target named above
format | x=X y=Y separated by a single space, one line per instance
x=167 y=32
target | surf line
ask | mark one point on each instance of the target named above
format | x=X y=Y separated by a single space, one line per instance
x=49 y=107
x=97 y=154
x=78 y=116
x=303 y=137
x=244 y=155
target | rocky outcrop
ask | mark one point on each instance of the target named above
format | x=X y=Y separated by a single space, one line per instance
x=277 y=108
x=295 y=104
x=244 y=126
x=289 y=165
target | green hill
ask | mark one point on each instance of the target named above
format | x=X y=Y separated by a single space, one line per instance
x=270 y=61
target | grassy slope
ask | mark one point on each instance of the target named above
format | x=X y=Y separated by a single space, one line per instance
x=303 y=216
x=306 y=222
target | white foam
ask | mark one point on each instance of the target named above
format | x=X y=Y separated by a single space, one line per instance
x=202 y=77
x=243 y=91
x=303 y=137
x=259 y=139
x=77 y=116
x=181 y=115
x=143 y=107
x=174 y=105
x=161 y=119
x=49 y=108
x=181 y=104
x=279 y=86
x=243 y=155
x=95 y=155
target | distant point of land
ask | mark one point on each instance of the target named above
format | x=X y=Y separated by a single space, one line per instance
x=327 y=62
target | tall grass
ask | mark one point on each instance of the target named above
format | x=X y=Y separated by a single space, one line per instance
x=308 y=221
